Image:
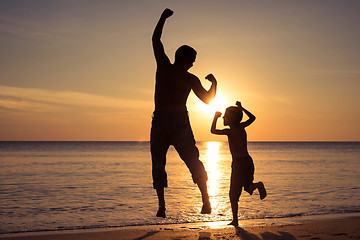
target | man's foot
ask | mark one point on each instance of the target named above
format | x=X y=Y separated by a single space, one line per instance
x=262 y=190
x=161 y=212
x=206 y=208
x=234 y=223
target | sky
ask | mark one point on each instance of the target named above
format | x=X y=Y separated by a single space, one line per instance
x=85 y=70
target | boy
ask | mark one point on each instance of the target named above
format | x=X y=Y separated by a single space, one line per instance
x=242 y=173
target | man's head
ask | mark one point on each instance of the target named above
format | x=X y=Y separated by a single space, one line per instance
x=185 y=56
x=233 y=115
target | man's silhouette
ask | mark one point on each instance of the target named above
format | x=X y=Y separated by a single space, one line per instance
x=170 y=124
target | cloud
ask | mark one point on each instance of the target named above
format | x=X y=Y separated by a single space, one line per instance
x=337 y=72
x=40 y=114
x=37 y=30
x=16 y=99
x=10 y=26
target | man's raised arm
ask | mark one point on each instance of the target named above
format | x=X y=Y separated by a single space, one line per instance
x=157 y=45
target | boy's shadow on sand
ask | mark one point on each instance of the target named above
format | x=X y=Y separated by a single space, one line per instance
x=147 y=235
x=245 y=235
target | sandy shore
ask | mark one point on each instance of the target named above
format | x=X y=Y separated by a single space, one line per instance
x=328 y=229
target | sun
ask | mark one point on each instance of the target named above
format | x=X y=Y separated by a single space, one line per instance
x=217 y=104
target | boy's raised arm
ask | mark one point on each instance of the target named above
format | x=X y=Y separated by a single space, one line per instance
x=158 y=47
x=213 y=129
x=249 y=114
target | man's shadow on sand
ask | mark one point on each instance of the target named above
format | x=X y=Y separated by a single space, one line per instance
x=245 y=235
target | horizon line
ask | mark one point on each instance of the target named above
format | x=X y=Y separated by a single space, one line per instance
x=274 y=141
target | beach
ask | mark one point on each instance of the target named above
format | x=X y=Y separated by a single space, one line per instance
x=297 y=228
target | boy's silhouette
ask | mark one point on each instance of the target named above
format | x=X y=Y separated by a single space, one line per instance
x=242 y=167
x=170 y=124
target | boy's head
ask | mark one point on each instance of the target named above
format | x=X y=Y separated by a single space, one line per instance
x=233 y=115
x=185 y=56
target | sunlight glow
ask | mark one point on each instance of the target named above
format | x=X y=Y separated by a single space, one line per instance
x=217 y=104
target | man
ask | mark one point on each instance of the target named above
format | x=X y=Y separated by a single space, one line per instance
x=170 y=124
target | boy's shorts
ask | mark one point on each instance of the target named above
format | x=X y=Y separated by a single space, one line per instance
x=173 y=128
x=242 y=175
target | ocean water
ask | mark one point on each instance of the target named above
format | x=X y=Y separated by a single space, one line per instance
x=84 y=185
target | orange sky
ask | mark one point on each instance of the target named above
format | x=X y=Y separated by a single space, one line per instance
x=84 y=70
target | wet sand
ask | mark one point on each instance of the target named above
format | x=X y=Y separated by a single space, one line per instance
x=289 y=229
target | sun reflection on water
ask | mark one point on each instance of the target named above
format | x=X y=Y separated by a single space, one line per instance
x=212 y=168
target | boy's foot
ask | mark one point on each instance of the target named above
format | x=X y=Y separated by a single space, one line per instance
x=262 y=190
x=161 y=212
x=206 y=208
x=251 y=189
x=234 y=223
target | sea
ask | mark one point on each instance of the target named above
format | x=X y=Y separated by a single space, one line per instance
x=48 y=186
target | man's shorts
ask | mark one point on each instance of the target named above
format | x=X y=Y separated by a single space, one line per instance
x=173 y=128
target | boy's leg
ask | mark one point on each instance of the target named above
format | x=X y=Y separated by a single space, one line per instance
x=236 y=183
x=249 y=186
x=234 y=209
x=262 y=190
x=259 y=186
x=248 y=173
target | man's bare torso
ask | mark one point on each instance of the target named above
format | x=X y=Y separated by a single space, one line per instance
x=172 y=88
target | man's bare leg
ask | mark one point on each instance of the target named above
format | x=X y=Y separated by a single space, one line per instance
x=206 y=208
x=161 y=196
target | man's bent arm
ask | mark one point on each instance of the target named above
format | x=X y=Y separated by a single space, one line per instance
x=201 y=93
